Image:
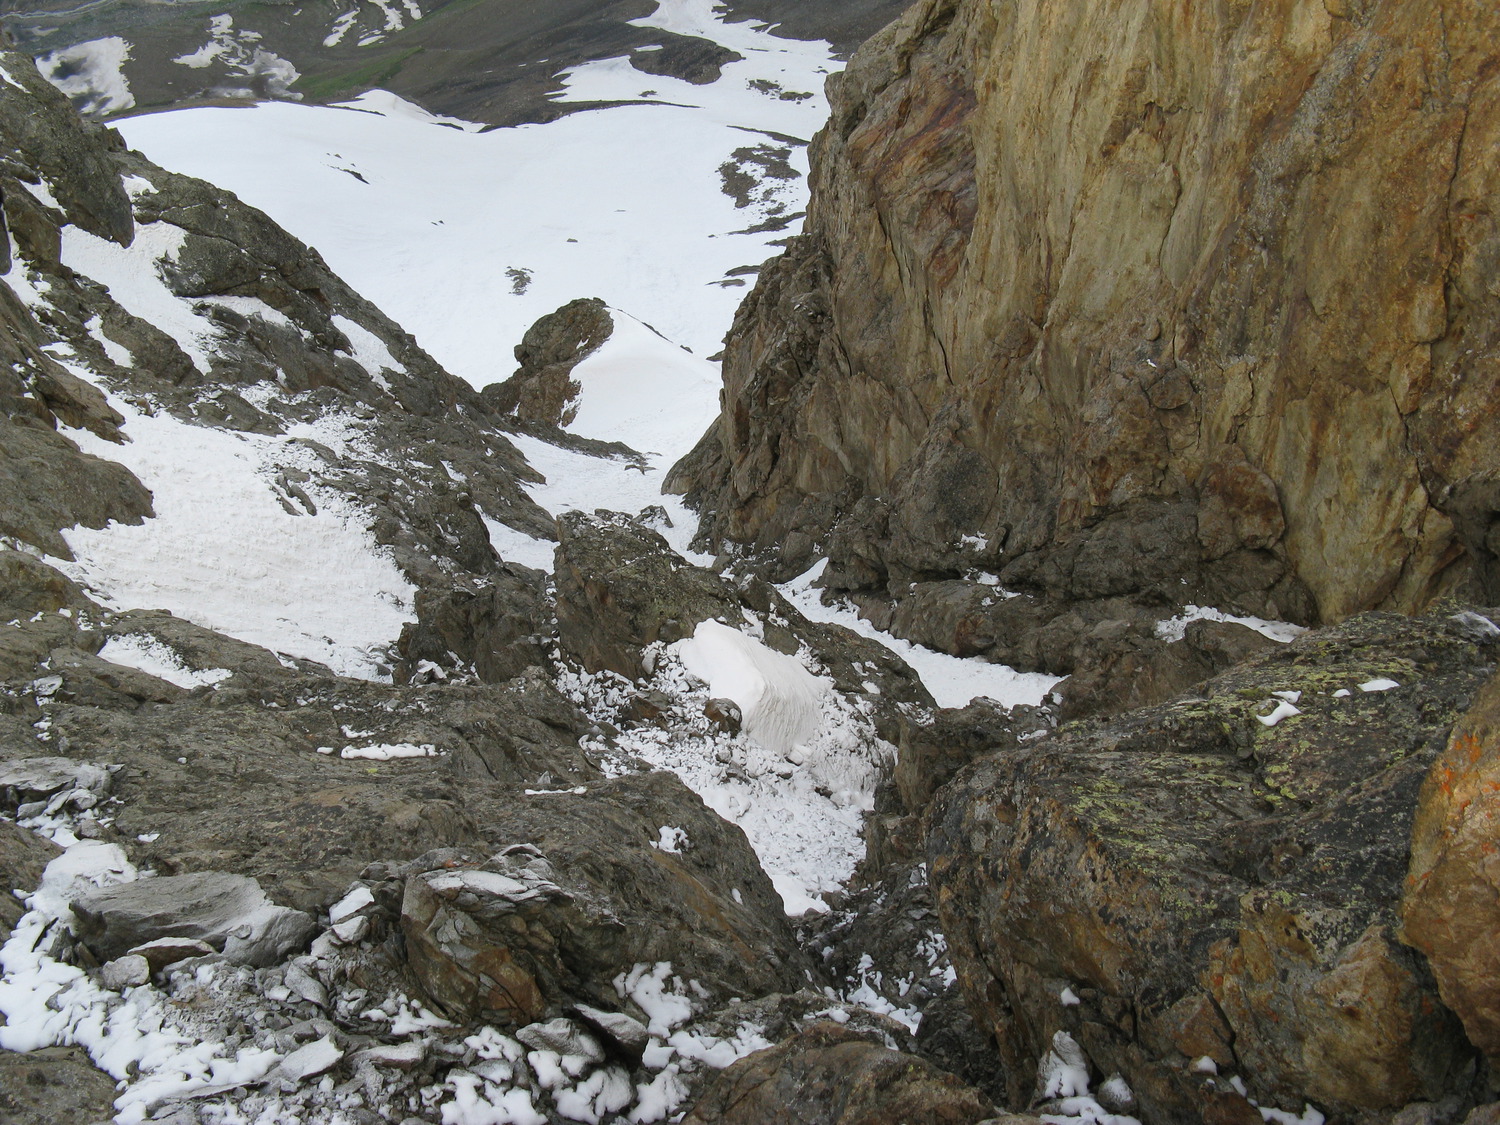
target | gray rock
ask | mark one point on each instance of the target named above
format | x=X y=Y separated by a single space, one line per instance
x=126 y=972
x=229 y=912
x=563 y=1036
x=31 y=778
x=626 y=1033
x=166 y=952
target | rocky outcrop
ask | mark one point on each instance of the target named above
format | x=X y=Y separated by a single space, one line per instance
x=1451 y=911
x=1128 y=299
x=1221 y=877
x=543 y=389
x=581 y=896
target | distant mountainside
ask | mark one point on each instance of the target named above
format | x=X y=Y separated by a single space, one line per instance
x=493 y=61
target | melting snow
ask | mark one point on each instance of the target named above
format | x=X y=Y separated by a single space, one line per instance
x=953 y=681
x=147 y=654
x=91 y=74
x=1175 y=628
x=222 y=551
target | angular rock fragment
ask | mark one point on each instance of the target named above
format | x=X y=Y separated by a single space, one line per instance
x=229 y=912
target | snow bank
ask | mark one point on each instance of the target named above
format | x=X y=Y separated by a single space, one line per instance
x=953 y=681
x=778 y=698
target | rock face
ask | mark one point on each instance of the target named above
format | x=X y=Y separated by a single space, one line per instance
x=1208 y=884
x=1136 y=299
x=1451 y=911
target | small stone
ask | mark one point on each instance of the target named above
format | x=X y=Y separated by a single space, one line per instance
x=618 y=1029
x=308 y=1061
x=399 y=1056
x=304 y=984
x=725 y=714
x=351 y=930
x=126 y=972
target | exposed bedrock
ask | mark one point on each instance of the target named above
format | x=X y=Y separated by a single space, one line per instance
x=1221 y=877
x=1135 y=299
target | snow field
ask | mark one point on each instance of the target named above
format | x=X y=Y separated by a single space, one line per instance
x=223 y=552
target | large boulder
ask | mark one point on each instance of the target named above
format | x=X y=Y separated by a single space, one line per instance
x=1451 y=910
x=1219 y=876
x=578 y=892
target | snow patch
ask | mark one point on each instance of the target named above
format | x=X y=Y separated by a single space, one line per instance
x=147 y=654
x=91 y=74
x=778 y=698
x=1175 y=628
x=222 y=552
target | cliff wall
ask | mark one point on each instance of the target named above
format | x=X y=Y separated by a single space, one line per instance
x=1170 y=301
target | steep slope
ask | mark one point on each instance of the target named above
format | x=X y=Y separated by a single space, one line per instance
x=1132 y=299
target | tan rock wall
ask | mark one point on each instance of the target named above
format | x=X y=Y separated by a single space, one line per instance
x=1077 y=257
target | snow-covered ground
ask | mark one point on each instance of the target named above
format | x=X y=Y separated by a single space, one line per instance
x=467 y=237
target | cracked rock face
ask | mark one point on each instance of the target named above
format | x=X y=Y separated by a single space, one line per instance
x=1130 y=299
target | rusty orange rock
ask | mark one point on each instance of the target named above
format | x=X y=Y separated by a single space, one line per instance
x=1451 y=906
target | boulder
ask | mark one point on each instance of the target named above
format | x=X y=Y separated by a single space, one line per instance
x=229 y=912
x=1219 y=876
x=834 y=1075
x=576 y=895
x=1451 y=906
x=621 y=588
